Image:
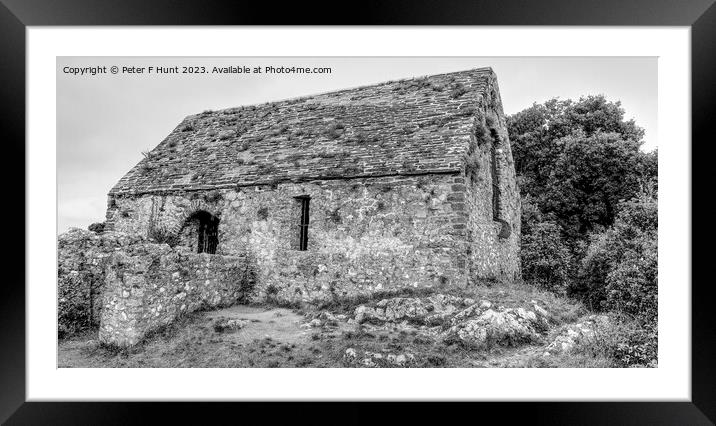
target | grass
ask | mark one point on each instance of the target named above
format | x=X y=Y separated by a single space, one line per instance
x=562 y=308
x=193 y=341
x=335 y=130
x=458 y=91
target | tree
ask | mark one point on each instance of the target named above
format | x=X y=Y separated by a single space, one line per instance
x=578 y=159
x=589 y=178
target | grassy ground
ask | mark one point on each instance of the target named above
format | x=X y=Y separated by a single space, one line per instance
x=276 y=337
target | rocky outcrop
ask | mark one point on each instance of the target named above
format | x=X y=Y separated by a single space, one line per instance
x=502 y=326
x=229 y=324
x=456 y=319
x=576 y=333
x=431 y=310
x=355 y=358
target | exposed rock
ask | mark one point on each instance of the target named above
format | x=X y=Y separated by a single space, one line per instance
x=452 y=318
x=223 y=324
x=350 y=354
x=573 y=334
x=375 y=359
x=364 y=313
x=504 y=326
x=430 y=310
x=400 y=308
x=368 y=362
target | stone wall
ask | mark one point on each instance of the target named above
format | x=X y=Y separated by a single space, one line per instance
x=364 y=234
x=494 y=226
x=82 y=257
x=401 y=178
x=149 y=286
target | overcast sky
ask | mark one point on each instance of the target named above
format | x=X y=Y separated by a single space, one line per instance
x=104 y=122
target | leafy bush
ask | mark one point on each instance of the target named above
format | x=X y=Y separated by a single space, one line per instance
x=97 y=228
x=545 y=257
x=632 y=285
x=335 y=130
x=213 y=196
x=624 y=341
x=458 y=91
x=73 y=310
x=639 y=347
x=619 y=271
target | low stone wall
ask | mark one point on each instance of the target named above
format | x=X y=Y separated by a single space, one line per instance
x=151 y=285
x=82 y=257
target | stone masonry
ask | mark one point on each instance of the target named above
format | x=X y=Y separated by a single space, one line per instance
x=152 y=285
x=405 y=183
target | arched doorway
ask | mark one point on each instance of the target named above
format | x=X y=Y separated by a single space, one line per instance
x=200 y=232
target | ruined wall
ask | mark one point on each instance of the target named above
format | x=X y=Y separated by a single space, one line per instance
x=365 y=234
x=82 y=257
x=150 y=285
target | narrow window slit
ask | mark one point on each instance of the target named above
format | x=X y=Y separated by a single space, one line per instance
x=495 y=177
x=303 y=236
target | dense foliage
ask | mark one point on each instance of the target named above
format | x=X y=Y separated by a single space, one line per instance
x=577 y=163
x=578 y=159
x=589 y=217
x=545 y=256
x=619 y=270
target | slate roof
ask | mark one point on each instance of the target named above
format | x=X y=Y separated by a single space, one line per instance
x=412 y=126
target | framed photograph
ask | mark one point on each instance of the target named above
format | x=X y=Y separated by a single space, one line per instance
x=467 y=203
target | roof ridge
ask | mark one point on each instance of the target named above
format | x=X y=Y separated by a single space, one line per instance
x=412 y=125
x=478 y=70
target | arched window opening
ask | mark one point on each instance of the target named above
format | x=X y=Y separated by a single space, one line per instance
x=201 y=232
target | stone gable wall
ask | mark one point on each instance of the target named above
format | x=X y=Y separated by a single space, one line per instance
x=494 y=248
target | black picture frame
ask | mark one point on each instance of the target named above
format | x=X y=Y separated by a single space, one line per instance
x=16 y=15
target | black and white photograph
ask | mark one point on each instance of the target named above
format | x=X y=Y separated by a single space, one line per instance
x=230 y=209
x=357 y=212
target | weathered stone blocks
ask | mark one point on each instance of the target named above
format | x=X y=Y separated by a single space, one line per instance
x=151 y=285
x=82 y=257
